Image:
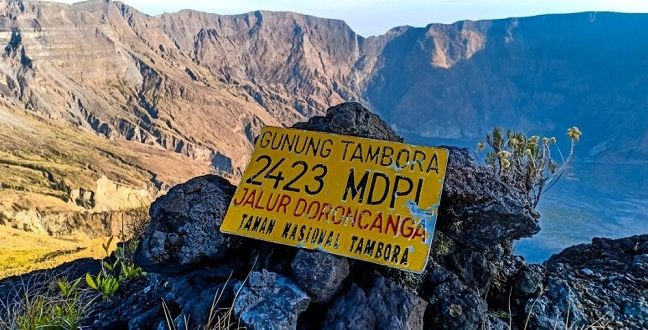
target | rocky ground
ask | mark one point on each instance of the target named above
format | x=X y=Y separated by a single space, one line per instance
x=472 y=281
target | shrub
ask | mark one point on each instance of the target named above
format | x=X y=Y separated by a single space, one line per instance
x=526 y=161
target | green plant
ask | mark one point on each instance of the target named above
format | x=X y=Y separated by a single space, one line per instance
x=68 y=289
x=114 y=274
x=106 y=284
x=60 y=304
x=35 y=315
x=501 y=315
x=129 y=270
x=526 y=161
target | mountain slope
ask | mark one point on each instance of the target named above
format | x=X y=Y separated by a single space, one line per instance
x=59 y=180
x=89 y=65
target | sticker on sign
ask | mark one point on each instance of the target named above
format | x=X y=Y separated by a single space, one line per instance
x=360 y=198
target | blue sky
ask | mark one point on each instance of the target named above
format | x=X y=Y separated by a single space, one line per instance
x=371 y=17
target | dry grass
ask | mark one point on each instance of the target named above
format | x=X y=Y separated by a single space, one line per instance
x=23 y=252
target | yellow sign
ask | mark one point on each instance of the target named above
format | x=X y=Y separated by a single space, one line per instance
x=360 y=198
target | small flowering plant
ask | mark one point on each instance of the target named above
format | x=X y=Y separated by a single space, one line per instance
x=526 y=161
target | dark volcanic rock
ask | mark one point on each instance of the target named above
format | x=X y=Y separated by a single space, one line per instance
x=270 y=301
x=453 y=305
x=351 y=118
x=387 y=306
x=319 y=273
x=529 y=282
x=395 y=307
x=604 y=255
x=605 y=280
x=478 y=209
x=474 y=268
x=351 y=311
x=559 y=306
x=133 y=307
x=602 y=283
x=184 y=229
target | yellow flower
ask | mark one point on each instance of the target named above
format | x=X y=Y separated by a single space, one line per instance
x=480 y=146
x=505 y=163
x=503 y=154
x=527 y=152
x=513 y=142
x=574 y=133
x=534 y=139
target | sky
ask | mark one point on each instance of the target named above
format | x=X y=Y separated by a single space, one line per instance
x=373 y=17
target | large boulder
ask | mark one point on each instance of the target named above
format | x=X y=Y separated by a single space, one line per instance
x=478 y=209
x=185 y=226
x=386 y=306
x=269 y=301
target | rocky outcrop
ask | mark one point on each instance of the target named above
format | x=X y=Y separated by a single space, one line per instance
x=465 y=287
x=353 y=119
x=479 y=209
x=184 y=229
x=474 y=282
x=606 y=280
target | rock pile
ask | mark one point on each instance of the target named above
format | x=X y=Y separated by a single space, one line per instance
x=473 y=281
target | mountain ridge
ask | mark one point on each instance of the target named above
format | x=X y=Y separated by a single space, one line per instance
x=356 y=73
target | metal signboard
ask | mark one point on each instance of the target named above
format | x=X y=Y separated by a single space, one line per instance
x=360 y=198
